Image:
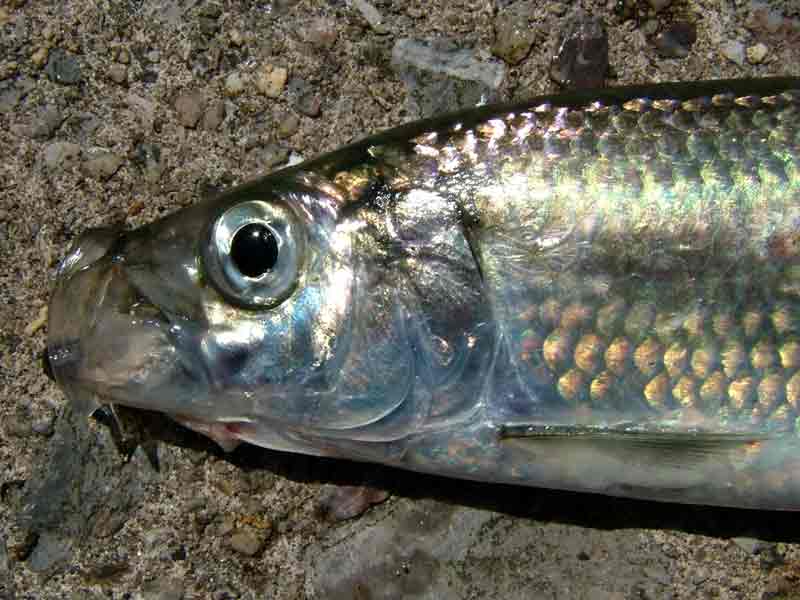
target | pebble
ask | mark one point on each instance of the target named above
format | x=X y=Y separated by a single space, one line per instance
x=321 y=33
x=118 y=73
x=102 y=165
x=61 y=154
x=756 y=54
x=211 y=10
x=676 y=40
x=17 y=426
x=441 y=76
x=124 y=56
x=513 y=37
x=234 y=84
x=48 y=553
x=309 y=104
x=208 y=26
x=236 y=37
x=189 y=106
x=270 y=156
x=147 y=156
x=581 y=57
x=249 y=541
x=371 y=14
x=63 y=68
x=164 y=588
x=650 y=27
x=12 y=92
x=658 y=5
x=288 y=126
x=444 y=57
x=4 y=562
x=39 y=57
x=734 y=51
x=44 y=426
x=763 y=18
x=42 y=126
x=338 y=503
x=271 y=80
x=214 y=115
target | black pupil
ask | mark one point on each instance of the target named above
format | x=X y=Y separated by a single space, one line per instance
x=254 y=249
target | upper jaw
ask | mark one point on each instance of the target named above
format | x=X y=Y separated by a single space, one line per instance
x=105 y=340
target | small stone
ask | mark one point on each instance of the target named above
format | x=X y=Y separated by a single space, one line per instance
x=61 y=154
x=321 y=33
x=211 y=10
x=441 y=76
x=676 y=40
x=189 y=106
x=44 y=426
x=288 y=126
x=309 y=104
x=17 y=426
x=118 y=73
x=12 y=92
x=272 y=155
x=63 y=68
x=271 y=80
x=749 y=545
x=208 y=26
x=248 y=541
x=164 y=588
x=236 y=37
x=371 y=14
x=756 y=54
x=234 y=84
x=734 y=51
x=9 y=69
x=659 y=4
x=214 y=115
x=147 y=156
x=338 y=503
x=650 y=27
x=43 y=125
x=102 y=165
x=581 y=57
x=39 y=57
x=124 y=56
x=49 y=552
x=762 y=18
x=513 y=37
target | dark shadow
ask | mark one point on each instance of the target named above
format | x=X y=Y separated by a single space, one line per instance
x=584 y=510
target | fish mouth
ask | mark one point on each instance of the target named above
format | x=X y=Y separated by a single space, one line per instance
x=107 y=342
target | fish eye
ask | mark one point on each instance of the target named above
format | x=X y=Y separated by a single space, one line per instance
x=254 y=249
x=253 y=253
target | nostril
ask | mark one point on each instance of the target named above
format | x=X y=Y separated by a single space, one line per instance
x=92 y=245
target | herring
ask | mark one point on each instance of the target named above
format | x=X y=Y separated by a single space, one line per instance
x=596 y=291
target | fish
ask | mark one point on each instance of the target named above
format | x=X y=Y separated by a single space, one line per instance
x=595 y=291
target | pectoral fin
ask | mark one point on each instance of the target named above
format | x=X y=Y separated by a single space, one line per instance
x=674 y=449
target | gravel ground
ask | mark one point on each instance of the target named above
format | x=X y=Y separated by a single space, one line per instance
x=123 y=111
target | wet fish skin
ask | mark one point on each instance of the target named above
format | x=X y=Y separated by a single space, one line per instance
x=595 y=291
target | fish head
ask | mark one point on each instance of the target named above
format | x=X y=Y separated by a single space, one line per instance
x=232 y=311
x=279 y=314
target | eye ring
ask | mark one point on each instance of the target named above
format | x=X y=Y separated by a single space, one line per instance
x=254 y=252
